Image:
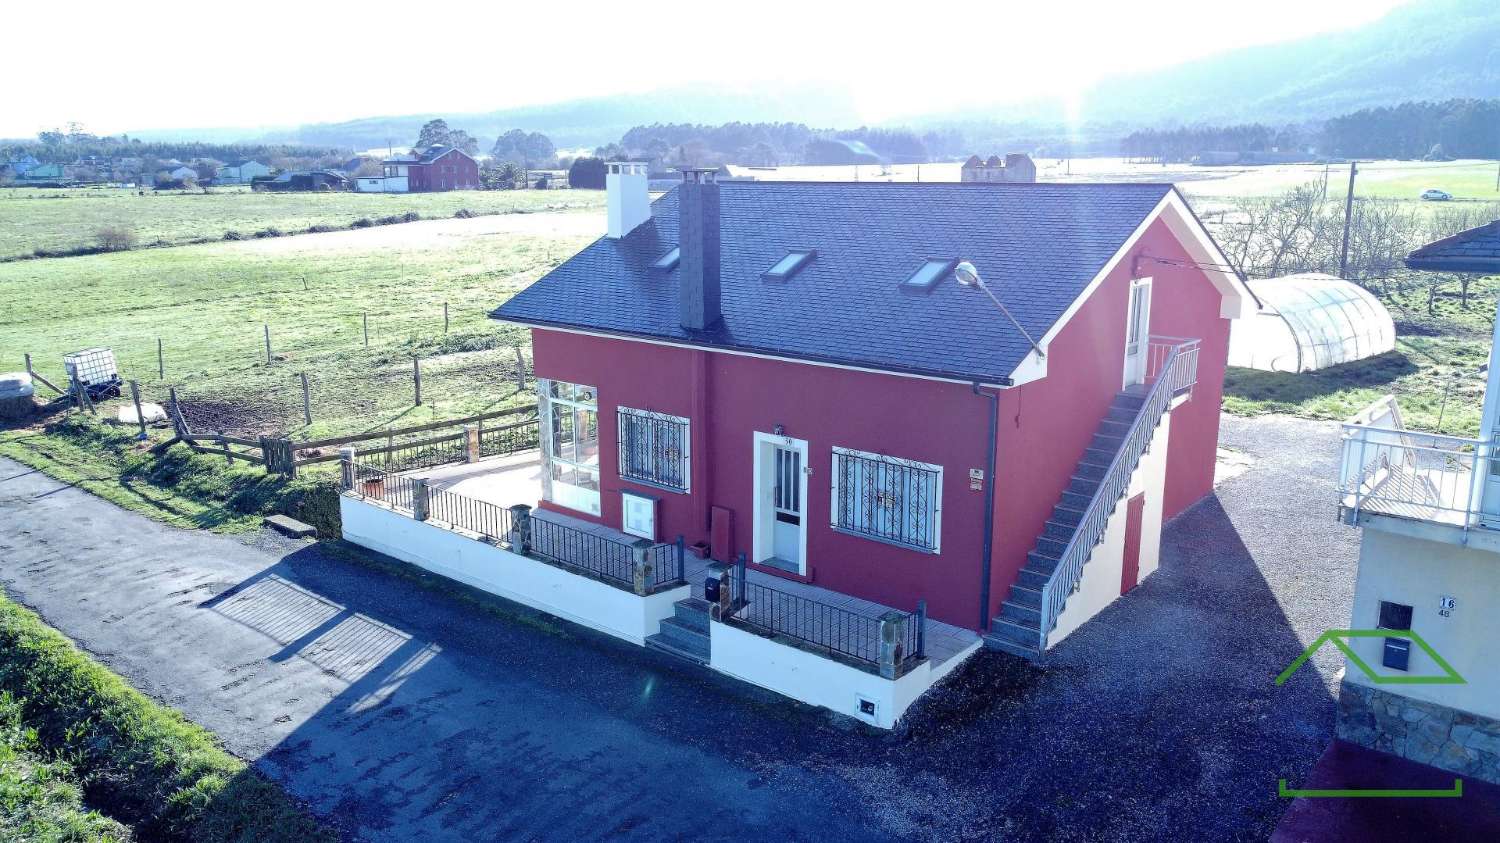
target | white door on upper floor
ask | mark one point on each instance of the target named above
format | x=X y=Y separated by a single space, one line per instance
x=1137 y=330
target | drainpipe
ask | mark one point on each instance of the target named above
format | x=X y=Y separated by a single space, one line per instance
x=989 y=506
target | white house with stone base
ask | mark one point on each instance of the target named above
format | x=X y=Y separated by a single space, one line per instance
x=1429 y=571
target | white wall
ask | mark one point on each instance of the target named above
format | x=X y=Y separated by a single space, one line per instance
x=461 y=557
x=818 y=680
x=1419 y=573
x=1100 y=585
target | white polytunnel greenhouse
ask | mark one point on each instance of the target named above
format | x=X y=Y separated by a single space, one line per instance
x=1310 y=321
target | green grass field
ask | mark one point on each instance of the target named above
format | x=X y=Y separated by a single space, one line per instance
x=208 y=304
x=32 y=218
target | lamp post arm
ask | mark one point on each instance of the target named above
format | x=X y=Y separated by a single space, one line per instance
x=1041 y=355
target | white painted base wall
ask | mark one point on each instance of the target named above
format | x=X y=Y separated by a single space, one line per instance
x=820 y=681
x=1419 y=572
x=1100 y=585
x=786 y=670
x=460 y=556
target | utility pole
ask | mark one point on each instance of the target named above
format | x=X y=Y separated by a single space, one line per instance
x=1348 y=215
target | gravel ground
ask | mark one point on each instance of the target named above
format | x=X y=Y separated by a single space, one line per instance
x=403 y=714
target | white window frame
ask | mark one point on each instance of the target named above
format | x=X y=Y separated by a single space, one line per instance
x=687 y=449
x=574 y=497
x=836 y=498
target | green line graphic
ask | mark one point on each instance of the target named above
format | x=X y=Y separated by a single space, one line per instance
x=1336 y=636
x=1288 y=793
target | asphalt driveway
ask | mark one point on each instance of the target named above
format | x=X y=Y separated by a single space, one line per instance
x=403 y=714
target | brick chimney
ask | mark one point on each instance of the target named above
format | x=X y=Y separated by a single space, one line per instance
x=626 y=196
x=698 y=239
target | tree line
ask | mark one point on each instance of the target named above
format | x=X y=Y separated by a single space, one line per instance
x=1457 y=128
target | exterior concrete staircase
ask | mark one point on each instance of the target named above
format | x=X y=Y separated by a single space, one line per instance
x=685 y=634
x=1017 y=629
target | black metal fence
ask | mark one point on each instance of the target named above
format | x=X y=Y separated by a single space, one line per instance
x=487 y=519
x=383 y=485
x=508 y=439
x=820 y=626
x=652 y=447
x=608 y=558
x=890 y=500
x=421 y=453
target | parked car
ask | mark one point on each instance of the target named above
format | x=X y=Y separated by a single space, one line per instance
x=1432 y=194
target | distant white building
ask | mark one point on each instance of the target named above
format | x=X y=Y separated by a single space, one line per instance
x=1017 y=167
x=241 y=172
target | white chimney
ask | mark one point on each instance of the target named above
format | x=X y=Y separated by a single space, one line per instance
x=627 y=196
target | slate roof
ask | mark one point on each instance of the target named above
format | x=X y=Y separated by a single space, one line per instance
x=1036 y=245
x=1475 y=250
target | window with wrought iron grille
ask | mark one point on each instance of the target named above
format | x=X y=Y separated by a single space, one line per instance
x=654 y=449
x=888 y=499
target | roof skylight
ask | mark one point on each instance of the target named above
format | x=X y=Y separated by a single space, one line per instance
x=927 y=276
x=790 y=265
x=668 y=262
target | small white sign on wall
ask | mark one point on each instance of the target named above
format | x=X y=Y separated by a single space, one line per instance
x=1446 y=605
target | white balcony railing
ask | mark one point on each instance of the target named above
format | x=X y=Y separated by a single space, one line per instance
x=1422 y=476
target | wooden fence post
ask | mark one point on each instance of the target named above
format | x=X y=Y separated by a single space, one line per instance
x=178 y=421
x=445 y=317
x=161 y=361
x=268 y=343
x=140 y=417
x=367 y=330
x=228 y=454
x=416 y=378
x=306 y=399
x=36 y=377
x=520 y=370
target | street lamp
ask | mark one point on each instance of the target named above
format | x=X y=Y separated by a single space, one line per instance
x=968 y=276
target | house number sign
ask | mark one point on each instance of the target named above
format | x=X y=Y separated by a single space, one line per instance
x=1446 y=605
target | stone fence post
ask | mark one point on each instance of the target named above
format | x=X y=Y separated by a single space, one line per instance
x=346 y=469
x=471 y=443
x=421 y=500
x=520 y=529
x=640 y=565
x=892 y=638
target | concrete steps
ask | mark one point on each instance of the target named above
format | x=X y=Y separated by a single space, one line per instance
x=1017 y=629
x=685 y=634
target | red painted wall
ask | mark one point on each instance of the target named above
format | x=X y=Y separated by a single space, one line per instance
x=939 y=423
x=1046 y=425
x=1044 y=428
x=453 y=171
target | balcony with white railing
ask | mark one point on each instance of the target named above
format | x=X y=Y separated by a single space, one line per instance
x=1388 y=470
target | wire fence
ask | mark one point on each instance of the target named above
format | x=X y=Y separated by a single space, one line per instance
x=347 y=396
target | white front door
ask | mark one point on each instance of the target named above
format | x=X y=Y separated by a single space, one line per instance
x=1137 y=331
x=786 y=541
x=780 y=536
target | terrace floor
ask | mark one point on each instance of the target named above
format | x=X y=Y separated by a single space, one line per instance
x=517 y=478
x=1419 y=494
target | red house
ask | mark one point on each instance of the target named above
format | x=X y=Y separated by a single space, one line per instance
x=426 y=170
x=988 y=397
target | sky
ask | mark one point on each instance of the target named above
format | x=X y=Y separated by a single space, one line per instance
x=277 y=63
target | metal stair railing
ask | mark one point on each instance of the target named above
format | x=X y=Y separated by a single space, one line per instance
x=1178 y=372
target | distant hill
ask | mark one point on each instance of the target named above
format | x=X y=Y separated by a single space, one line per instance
x=1430 y=50
x=589 y=122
